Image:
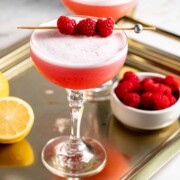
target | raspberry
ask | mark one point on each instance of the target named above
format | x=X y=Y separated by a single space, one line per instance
x=66 y=25
x=148 y=84
x=162 y=88
x=172 y=82
x=131 y=76
x=105 y=27
x=86 y=27
x=123 y=88
x=154 y=93
x=132 y=99
x=146 y=101
x=172 y=99
x=158 y=80
x=160 y=101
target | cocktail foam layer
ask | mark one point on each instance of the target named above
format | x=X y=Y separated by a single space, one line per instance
x=77 y=50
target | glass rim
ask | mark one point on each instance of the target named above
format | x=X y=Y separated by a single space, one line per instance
x=111 y=60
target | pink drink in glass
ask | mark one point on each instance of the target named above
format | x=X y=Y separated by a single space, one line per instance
x=78 y=62
x=102 y=8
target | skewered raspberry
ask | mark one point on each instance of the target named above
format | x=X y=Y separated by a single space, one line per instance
x=104 y=27
x=66 y=25
x=86 y=27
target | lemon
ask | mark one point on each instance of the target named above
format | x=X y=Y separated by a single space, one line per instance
x=16 y=119
x=16 y=155
x=4 y=86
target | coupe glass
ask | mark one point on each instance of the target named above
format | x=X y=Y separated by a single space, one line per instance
x=73 y=156
x=100 y=8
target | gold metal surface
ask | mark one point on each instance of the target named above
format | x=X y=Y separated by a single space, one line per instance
x=52 y=117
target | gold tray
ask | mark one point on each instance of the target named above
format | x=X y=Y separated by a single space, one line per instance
x=135 y=148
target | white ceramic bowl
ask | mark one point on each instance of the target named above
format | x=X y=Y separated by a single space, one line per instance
x=144 y=119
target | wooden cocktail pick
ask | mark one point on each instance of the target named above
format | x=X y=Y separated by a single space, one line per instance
x=138 y=28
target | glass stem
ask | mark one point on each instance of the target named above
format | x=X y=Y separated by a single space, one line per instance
x=76 y=103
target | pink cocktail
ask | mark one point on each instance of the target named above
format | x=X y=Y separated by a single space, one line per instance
x=100 y=8
x=76 y=62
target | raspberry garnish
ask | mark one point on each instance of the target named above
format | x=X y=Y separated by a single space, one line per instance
x=105 y=27
x=66 y=25
x=86 y=27
x=160 y=101
x=132 y=99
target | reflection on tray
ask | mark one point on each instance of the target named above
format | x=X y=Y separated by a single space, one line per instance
x=136 y=144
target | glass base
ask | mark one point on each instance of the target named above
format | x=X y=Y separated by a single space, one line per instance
x=91 y=160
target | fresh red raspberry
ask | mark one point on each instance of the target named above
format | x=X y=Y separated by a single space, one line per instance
x=148 y=84
x=86 y=27
x=132 y=99
x=123 y=88
x=172 y=82
x=138 y=88
x=146 y=101
x=160 y=101
x=66 y=25
x=172 y=99
x=162 y=88
x=158 y=80
x=104 y=27
x=131 y=76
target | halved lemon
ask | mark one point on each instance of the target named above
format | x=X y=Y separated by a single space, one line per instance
x=16 y=119
x=4 y=86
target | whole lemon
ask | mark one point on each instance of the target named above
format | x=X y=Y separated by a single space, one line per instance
x=4 y=86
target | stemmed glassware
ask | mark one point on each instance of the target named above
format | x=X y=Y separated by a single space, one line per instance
x=75 y=156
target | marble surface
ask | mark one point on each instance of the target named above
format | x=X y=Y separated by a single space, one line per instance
x=21 y=13
x=162 y=13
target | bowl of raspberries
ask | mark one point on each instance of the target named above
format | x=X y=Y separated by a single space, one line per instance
x=146 y=100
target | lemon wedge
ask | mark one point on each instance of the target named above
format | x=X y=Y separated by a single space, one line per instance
x=16 y=119
x=4 y=86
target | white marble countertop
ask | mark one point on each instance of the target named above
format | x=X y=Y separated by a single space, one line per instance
x=24 y=12
x=161 y=13
x=164 y=14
